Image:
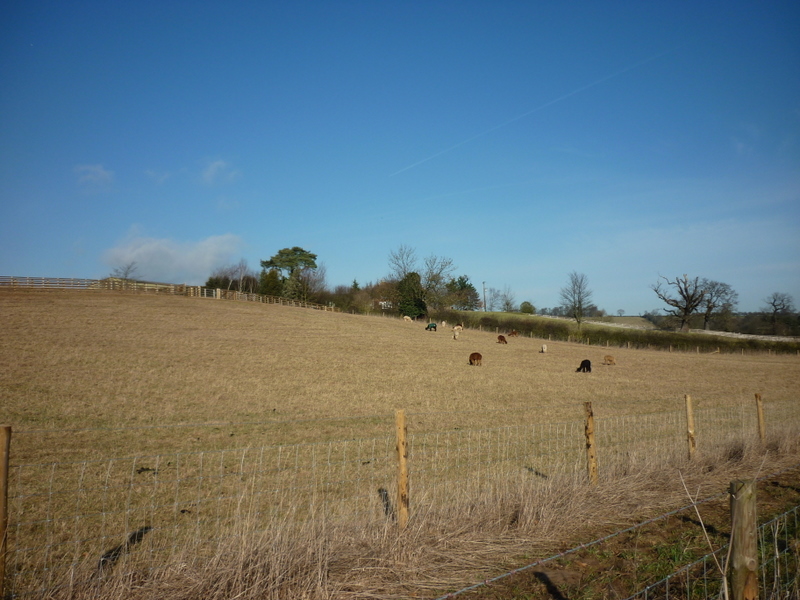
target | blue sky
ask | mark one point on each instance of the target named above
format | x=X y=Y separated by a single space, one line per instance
x=524 y=140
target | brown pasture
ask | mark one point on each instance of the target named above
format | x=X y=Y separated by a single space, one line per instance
x=96 y=375
x=87 y=360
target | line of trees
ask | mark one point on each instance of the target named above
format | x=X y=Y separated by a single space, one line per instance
x=694 y=301
x=422 y=288
x=413 y=287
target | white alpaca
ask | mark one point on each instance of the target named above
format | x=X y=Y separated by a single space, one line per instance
x=544 y=348
x=407 y=319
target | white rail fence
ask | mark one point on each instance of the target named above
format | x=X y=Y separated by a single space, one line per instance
x=70 y=519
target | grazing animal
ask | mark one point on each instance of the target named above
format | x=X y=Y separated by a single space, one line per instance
x=456 y=331
x=544 y=348
x=475 y=359
x=444 y=324
x=407 y=319
x=501 y=339
x=431 y=327
x=586 y=367
x=513 y=333
x=609 y=360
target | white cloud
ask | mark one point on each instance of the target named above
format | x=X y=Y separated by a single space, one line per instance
x=226 y=204
x=94 y=175
x=170 y=261
x=219 y=170
x=158 y=177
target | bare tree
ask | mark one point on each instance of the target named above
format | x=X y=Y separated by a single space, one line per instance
x=247 y=280
x=508 y=301
x=437 y=271
x=402 y=262
x=127 y=271
x=236 y=276
x=778 y=304
x=493 y=301
x=718 y=297
x=576 y=297
x=313 y=281
x=689 y=294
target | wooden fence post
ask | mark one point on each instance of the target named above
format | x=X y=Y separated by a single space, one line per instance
x=744 y=541
x=402 y=468
x=5 y=447
x=691 y=440
x=762 y=428
x=591 y=450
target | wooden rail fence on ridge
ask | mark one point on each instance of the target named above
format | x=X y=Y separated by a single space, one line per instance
x=117 y=284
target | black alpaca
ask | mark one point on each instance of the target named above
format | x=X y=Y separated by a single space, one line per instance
x=586 y=367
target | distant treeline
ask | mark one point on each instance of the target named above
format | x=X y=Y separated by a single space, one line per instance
x=564 y=330
x=753 y=323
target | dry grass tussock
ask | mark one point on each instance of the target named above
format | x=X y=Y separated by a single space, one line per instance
x=446 y=547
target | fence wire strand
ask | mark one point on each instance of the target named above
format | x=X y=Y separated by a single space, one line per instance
x=73 y=517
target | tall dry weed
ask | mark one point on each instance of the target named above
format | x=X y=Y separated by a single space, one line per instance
x=448 y=544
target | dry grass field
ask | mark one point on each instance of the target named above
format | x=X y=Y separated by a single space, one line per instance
x=80 y=360
x=99 y=375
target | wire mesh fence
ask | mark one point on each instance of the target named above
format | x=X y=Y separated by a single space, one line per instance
x=66 y=516
x=705 y=578
x=74 y=519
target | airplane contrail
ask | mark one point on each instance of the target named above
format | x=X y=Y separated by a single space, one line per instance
x=537 y=109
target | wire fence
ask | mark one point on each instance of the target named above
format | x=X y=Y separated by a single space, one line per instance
x=779 y=564
x=74 y=518
x=701 y=579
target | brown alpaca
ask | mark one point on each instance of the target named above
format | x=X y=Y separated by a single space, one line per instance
x=513 y=333
x=501 y=339
x=475 y=359
x=609 y=360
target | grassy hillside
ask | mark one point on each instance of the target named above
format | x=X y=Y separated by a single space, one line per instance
x=80 y=360
x=90 y=378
